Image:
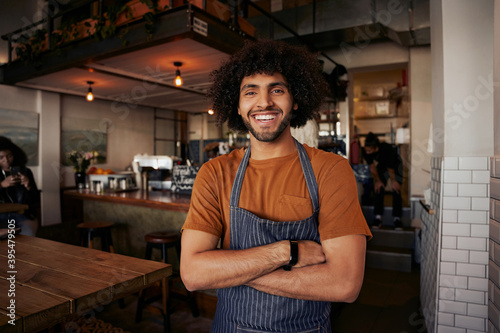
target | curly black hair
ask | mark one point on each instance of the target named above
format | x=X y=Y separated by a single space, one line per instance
x=301 y=69
x=20 y=158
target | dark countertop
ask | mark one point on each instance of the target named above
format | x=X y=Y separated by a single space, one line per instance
x=153 y=199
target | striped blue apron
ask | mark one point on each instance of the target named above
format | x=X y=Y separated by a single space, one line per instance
x=244 y=309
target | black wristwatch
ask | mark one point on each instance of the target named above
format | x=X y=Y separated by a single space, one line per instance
x=294 y=255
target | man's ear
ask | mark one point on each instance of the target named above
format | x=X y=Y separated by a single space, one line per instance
x=295 y=106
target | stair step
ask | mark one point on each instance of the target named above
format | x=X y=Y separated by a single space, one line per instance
x=387 y=236
x=387 y=217
x=386 y=257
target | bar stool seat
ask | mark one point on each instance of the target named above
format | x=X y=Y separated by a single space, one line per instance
x=101 y=229
x=165 y=240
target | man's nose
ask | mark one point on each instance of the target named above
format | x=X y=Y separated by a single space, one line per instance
x=265 y=100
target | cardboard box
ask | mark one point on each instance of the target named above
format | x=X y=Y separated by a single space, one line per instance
x=246 y=27
x=215 y=8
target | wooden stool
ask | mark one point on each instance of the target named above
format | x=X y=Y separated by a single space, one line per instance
x=165 y=240
x=100 y=229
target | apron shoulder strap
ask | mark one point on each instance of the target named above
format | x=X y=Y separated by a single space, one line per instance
x=312 y=185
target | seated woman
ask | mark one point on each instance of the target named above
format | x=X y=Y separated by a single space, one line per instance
x=17 y=185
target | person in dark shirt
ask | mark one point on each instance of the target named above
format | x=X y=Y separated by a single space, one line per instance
x=385 y=163
x=17 y=185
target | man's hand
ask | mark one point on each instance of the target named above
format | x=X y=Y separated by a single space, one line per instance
x=24 y=181
x=378 y=185
x=396 y=187
x=338 y=279
x=10 y=181
x=310 y=253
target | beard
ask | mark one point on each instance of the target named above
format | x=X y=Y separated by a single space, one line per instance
x=266 y=136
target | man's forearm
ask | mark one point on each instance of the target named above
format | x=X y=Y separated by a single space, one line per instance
x=218 y=268
x=337 y=280
x=308 y=283
x=374 y=172
x=392 y=174
x=205 y=267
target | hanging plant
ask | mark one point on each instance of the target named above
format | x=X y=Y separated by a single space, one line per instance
x=28 y=48
x=152 y=4
x=150 y=19
x=106 y=28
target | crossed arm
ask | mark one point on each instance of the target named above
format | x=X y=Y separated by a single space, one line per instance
x=331 y=271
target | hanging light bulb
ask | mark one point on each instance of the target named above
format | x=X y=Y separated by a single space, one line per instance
x=90 y=95
x=178 y=79
x=210 y=112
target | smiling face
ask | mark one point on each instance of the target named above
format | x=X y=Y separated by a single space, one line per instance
x=265 y=105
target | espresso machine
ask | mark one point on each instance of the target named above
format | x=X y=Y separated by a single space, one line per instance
x=154 y=172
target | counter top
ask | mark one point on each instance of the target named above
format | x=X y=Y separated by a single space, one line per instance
x=153 y=199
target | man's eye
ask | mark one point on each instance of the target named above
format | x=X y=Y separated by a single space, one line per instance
x=277 y=91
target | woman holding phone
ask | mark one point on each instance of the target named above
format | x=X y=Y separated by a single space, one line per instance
x=17 y=185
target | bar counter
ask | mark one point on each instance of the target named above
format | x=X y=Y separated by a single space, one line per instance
x=153 y=199
x=134 y=214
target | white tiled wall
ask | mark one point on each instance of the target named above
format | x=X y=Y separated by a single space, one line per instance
x=464 y=246
x=457 y=245
x=430 y=256
x=494 y=247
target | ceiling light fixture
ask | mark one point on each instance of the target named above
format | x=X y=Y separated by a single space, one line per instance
x=178 y=79
x=90 y=95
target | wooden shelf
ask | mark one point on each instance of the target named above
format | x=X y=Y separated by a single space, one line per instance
x=373 y=99
x=376 y=117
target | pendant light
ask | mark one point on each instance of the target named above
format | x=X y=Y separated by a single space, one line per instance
x=90 y=95
x=178 y=79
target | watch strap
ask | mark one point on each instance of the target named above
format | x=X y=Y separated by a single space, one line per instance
x=294 y=255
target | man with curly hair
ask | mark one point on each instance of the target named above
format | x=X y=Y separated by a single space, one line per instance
x=293 y=237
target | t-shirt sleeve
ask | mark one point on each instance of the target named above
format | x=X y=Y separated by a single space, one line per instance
x=340 y=213
x=204 y=211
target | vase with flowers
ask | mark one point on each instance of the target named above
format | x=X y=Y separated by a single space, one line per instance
x=81 y=160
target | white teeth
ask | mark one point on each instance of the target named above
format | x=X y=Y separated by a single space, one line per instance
x=265 y=117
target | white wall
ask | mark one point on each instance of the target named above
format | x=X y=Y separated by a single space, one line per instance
x=129 y=131
x=25 y=100
x=496 y=77
x=46 y=174
x=462 y=109
x=420 y=85
x=467 y=70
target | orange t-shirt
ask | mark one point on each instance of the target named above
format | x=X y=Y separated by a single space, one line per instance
x=275 y=189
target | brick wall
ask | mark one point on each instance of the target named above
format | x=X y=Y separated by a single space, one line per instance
x=430 y=249
x=494 y=245
x=463 y=265
x=455 y=242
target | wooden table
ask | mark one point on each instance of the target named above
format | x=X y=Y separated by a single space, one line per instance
x=53 y=281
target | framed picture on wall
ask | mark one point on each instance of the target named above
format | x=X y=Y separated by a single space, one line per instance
x=22 y=128
x=83 y=135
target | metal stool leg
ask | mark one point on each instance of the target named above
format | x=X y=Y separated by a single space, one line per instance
x=90 y=236
x=110 y=242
